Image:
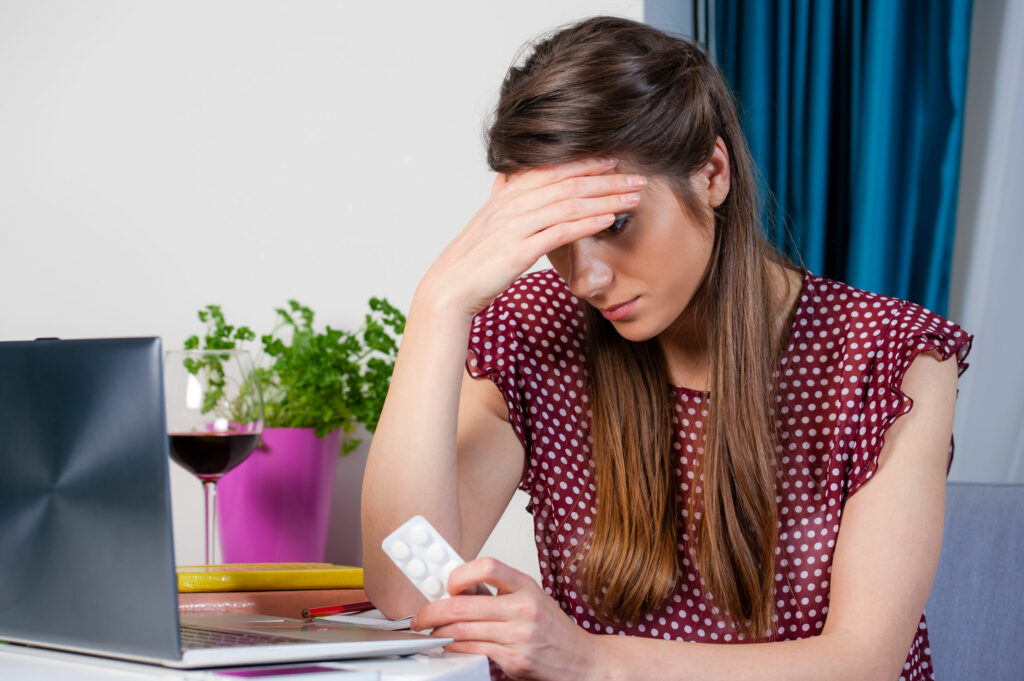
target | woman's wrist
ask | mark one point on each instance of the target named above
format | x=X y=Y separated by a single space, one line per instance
x=602 y=659
x=611 y=657
x=441 y=303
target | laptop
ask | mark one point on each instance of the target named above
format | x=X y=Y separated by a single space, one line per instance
x=86 y=552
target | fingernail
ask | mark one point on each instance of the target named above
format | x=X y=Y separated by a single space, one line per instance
x=630 y=199
x=606 y=161
x=412 y=624
x=636 y=181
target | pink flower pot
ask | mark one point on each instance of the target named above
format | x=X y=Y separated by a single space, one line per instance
x=275 y=507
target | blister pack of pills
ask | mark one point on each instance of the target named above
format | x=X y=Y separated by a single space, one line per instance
x=423 y=555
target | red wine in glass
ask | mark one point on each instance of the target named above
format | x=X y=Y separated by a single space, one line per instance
x=214 y=418
x=210 y=455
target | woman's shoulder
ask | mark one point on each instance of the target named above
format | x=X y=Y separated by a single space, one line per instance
x=855 y=312
x=537 y=304
x=862 y=321
x=529 y=341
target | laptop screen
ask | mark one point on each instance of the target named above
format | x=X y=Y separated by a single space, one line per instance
x=86 y=554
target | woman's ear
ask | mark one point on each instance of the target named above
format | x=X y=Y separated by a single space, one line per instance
x=714 y=177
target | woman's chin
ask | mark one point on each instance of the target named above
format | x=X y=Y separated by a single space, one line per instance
x=632 y=330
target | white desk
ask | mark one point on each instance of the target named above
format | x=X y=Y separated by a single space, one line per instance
x=24 y=663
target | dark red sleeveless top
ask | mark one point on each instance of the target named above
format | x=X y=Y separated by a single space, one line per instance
x=839 y=392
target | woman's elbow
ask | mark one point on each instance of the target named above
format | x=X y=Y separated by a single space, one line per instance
x=388 y=593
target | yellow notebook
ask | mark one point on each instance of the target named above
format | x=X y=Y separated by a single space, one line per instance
x=268 y=577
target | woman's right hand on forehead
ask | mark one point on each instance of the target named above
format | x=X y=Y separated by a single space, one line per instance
x=527 y=216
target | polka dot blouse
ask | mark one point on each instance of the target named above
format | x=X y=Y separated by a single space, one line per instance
x=838 y=392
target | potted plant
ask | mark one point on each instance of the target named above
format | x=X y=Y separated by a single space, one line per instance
x=317 y=386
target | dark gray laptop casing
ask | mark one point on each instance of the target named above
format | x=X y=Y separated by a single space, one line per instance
x=86 y=553
x=85 y=498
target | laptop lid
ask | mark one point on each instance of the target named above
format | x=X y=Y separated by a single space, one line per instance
x=86 y=553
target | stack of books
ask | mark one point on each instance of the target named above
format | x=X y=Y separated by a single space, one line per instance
x=277 y=589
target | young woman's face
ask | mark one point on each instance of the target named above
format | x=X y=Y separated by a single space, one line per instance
x=643 y=271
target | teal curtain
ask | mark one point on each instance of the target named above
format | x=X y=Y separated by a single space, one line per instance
x=854 y=114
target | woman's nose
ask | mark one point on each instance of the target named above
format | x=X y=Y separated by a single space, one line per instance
x=588 y=273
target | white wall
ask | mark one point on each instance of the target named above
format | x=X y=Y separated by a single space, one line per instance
x=987 y=280
x=158 y=156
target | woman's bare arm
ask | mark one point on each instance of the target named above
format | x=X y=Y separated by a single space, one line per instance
x=444 y=448
x=421 y=463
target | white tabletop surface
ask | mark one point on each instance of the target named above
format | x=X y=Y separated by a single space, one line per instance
x=24 y=663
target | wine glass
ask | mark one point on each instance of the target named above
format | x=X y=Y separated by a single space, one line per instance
x=214 y=418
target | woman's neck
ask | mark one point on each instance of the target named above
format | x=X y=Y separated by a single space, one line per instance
x=686 y=350
x=685 y=343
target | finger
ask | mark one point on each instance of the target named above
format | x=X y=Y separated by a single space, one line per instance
x=460 y=609
x=539 y=177
x=578 y=187
x=487 y=571
x=473 y=647
x=564 y=233
x=494 y=632
x=572 y=210
x=478 y=590
x=493 y=651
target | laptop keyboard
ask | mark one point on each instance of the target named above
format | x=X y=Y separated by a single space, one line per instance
x=196 y=638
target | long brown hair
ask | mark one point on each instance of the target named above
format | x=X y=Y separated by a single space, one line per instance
x=614 y=87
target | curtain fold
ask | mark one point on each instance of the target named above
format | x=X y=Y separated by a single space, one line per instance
x=854 y=114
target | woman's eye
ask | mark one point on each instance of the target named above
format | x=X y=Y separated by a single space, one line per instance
x=621 y=221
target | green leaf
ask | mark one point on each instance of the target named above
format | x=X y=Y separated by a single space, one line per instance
x=325 y=380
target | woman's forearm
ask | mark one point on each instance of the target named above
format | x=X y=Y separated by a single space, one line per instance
x=412 y=463
x=836 y=656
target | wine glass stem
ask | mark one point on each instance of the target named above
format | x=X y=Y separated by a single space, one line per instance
x=210 y=494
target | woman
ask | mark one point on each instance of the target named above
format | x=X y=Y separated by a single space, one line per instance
x=711 y=438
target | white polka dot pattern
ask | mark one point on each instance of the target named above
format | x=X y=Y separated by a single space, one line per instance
x=838 y=392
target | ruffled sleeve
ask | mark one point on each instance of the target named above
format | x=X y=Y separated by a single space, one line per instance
x=529 y=343
x=912 y=330
x=495 y=338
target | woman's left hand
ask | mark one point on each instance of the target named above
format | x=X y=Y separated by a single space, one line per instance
x=521 y=628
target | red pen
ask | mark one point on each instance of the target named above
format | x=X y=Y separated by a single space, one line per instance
x=337 y=609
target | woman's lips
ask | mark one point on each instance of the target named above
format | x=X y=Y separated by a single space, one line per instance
x=617 y=312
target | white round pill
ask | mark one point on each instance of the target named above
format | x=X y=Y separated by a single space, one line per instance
x=447 y=570
x=436 y=553
x=419 y=535
x=416 y=568
x=433 y=586
x=399 y=550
